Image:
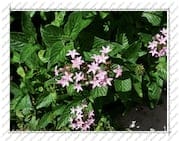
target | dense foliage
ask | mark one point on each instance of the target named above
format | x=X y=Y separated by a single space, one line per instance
x=68 y=67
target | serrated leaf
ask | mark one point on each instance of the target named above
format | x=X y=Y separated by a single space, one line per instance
x=153 y=17
x=75 y=24
x=59 y=16
x=17 y=41
x=25 y=104
x=123 y=85
x=137 y=84
x=51 y=34
x=27 y=51
x=58 y=52
x=154 y=93
x=16 y=57
x=132 y=53
x=28 y=27
x=98 y=92
x=46 y=101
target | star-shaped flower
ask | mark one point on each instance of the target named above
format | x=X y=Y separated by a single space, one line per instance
x=152 y=44
x=95 y=83
x=77 y=62
x=118 y=71
x=79 y=76
x=78 y=87
x=93 y=67
x=154 y=52
x=101 y=74
x=164 y=31
x=68 y=77
x=105 y=50
x=72 y=53
x=103 y=58
x=63 y=82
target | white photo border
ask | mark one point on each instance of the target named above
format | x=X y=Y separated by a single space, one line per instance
x=112 y=5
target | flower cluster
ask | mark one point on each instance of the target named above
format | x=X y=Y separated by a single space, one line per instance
x=80 y=118
x=158 y=47
x=81 y=73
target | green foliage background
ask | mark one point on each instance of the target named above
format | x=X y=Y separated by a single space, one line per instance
x=40 y=40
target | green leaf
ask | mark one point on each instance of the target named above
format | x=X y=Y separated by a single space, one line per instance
x=70 y=89
x=17 y=41
x=98 y=92
x=58 y=52
x=123 y=85
x=15 y=58
x=28 y=27
x=41 y=55
x=46 y=101
x=122 y=39
x=33 y=124
x=75 y=24
x=20 y=71
x=153 y=17
x=27 y=51
x=51 y=34
x=103 y=14
x=154 y=93
x=132 y=53
x=59 y=17
x=24 y=104
x=162 y=68
x=137 y=83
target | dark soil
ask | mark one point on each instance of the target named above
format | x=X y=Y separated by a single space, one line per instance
x=142 y=118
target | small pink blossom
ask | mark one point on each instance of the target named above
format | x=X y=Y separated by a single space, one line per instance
x=68 y=77
x=152 y=44
x=78 y=87
x=162 y=40
x=118 y=71
x=105 y=50
x=72 y=53
x=96 y=58
x=164 y=31
x=63 y=82
x=77 y=62
x=79 y=76
x=103 y=58
x=93 y=68
x=154 y=52
x=95 y=83
x=101 y=74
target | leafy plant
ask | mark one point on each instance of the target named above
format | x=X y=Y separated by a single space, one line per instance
x=43 y=47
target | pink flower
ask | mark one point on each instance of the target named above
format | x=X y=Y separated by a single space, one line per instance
x=118 y=71
x=101 y=75
x=152 y=44
x=164 y=31
x=77 y=62
x=154 y=52
x=72 y=53
x=63 y=82
x=162 y=40
x=95 y=83
x=78 y=87
x=93 y=67
x=79 y=76
x=96 y=58
x=105 y=50
x=68 y=77
x=56 y=71
x=103 y=58
x=108 y=81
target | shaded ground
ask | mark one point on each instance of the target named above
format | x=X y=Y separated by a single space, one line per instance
x=144 y=119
